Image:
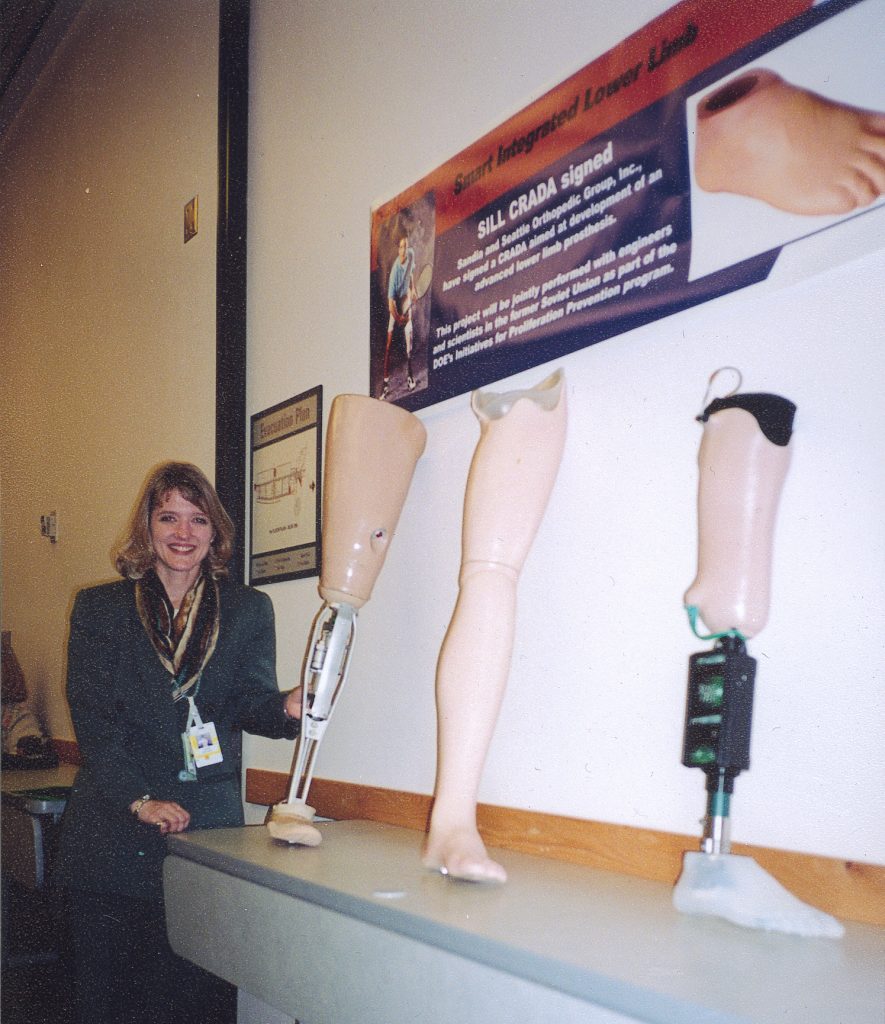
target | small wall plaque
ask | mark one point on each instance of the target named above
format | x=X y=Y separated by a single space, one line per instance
x=190 y=218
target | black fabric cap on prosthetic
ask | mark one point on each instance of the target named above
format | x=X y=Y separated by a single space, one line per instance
x=773 y=413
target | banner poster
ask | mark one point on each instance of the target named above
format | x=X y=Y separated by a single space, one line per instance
x=669 y=171
x=286 y=476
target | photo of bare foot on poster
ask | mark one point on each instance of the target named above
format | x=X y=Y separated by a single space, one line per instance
x=789 y=144
x=762 y=137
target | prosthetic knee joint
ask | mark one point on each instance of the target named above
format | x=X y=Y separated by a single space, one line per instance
x=371 y=452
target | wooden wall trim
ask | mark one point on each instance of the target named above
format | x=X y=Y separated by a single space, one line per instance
x=849 y=890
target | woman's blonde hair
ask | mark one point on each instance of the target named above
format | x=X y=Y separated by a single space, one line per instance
x=135 y=554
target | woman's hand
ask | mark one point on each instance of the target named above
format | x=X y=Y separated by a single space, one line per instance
x=165 y=815
x=293 y=702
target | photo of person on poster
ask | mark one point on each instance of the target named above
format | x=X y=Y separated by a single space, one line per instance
x=403 y=252
x=400 y=296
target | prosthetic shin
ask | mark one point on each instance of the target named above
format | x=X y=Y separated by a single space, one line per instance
x=513 y=470
x=743 y=460
x=371 y=452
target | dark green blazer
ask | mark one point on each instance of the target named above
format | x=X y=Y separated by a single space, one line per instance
x=129 y=732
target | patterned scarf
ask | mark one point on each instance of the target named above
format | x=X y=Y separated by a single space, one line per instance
x=184 y=641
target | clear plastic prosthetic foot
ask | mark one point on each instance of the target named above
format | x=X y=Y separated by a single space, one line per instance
x=738 y=890
x=371 y=452
x=743 y=460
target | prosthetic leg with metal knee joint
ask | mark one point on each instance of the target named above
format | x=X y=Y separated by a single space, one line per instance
x=743 y=460
x=371 y=452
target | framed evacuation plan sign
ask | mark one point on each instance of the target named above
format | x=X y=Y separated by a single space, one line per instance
x=285 y=492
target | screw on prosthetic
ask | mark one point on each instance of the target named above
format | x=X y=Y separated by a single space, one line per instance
x=742 y=463
x=371 y=452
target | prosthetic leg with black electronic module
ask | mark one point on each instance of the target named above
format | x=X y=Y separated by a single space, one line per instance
x=371 y=452
x=743 y=460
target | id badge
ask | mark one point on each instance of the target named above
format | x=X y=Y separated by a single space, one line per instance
x=204 y=746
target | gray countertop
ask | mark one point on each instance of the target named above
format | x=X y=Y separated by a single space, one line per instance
x=609 y=939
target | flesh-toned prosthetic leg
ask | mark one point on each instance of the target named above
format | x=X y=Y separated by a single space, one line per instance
x=371 y=452
x=743 y=461
x=762 y=137
x=522 y=434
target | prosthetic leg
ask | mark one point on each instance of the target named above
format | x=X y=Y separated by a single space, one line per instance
x=743 y=461
x=371 y=452
x=522 y=434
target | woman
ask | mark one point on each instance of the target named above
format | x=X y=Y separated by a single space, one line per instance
x=174 y=658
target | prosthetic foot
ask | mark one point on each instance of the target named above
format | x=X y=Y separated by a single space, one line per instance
x=522 y=434
x=743 y=461
x=737 y=889
x=371 y=452
x=762 y=137
x=290 y=822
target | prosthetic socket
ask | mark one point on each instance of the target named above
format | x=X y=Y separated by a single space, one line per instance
x=371 y=452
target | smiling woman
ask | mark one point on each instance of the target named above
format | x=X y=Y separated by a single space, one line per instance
x=146 y=656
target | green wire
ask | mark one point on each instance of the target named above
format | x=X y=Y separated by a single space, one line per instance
x=692 y=612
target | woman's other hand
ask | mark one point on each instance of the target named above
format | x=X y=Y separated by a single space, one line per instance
x=165 y=815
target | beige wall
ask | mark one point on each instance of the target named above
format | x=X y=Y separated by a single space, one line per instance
x=107 y=319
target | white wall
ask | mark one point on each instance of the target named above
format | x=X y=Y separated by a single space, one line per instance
x=592 y=720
